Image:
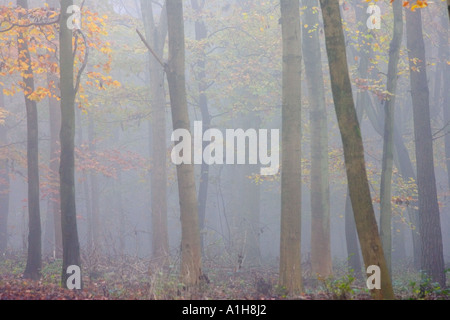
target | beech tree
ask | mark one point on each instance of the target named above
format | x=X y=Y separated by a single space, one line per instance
x=34 y=260
x=191 y=260
x=290 y=258
x=388 y=145
x=156 y=34
x=361 y=199
x=321 y=262
x=71 y=246
x=432 y=259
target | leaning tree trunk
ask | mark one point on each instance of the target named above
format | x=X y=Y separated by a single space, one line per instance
x=430 y=225
x=34 y=263
x=290 y=258
x=388 y=146
x=366 y=224
x=71 y=246
x=191 y=262
x=4 y=186
x=321 y=263
x=156 y=37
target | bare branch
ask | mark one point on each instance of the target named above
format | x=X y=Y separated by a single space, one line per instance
x=150 y=49
x=85 y=61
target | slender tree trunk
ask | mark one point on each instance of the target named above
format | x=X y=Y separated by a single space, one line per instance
x=388 y=145
x=4 y=187
x=321 y=262
x=201 y=33
x=430 y=225
x=34 y=263
x=94 y=192
x=54 y=204
x=71 y=246
x=366 y=224
x=407 y=171
x=191 y=262
x=401 y=156
x=156 y=36
x=290 y=244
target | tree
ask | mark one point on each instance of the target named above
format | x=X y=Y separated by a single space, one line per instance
x=432 y=258
x=55 y=127
x=290 y=258
x=388 y=143
x=4 y=183
x=321 y=263
x=34 y=262
x=71 y=246
x=156 y=37
x=191 y=262
x=366 y=224
x=201 y=33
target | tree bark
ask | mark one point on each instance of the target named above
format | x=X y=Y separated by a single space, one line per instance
x=430 y=226
x=191 y=262
x=388 y=143
x=290 y=244
x=71 y=246
x=366 y=224
x=156 y=36
x=321 y=262
x=34 y=263
x=351 y=237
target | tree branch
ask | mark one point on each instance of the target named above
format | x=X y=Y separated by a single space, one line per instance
x=150 y=49
x=85 y=61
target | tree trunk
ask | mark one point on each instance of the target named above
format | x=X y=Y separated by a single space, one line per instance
x=388 y=143
x=321 y=262
x=290 y=244
x=34 y=263
x=94 y=193
x=156 y=37
x=430 y=226
x=4 y=186
x=351 y=237
x=201 y=33
x=407 y=171
x=54 y=203
x=191 y=262
x=71 y=246
x=403 y=161
x=362 y=98
x=366 y=224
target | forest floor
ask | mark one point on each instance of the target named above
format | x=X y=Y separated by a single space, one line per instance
x=132 y=279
